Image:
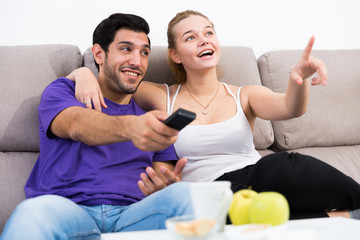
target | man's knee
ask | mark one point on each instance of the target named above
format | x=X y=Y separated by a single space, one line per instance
x=49 y=215
x=38 y=207
x=31 y=214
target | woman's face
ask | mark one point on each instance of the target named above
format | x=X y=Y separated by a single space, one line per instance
x=197 y=44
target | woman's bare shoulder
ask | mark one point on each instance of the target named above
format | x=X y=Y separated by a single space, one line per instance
x=246 y=90
x=236 y=87
x=233 y=88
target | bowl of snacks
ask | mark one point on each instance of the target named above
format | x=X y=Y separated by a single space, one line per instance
x=190 y=228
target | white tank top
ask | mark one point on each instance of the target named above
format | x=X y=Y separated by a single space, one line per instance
x=215 y=149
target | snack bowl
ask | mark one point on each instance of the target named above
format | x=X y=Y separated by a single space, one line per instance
x=190 y=228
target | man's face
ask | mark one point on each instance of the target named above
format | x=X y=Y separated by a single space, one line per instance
x=126 y=61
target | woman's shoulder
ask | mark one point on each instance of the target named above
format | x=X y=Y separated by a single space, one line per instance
x=244 y=90
x=233 y=88
x=246 y=87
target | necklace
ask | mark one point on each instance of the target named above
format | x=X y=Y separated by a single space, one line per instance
x=204 y=111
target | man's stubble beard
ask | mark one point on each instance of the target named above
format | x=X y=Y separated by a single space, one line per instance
x=114 y=75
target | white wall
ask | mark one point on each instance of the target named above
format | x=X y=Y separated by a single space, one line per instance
x=263 y=25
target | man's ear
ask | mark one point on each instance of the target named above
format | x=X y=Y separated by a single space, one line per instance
x=174 y=56
x=98 y=52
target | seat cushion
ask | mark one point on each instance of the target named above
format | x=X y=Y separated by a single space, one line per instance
x=15 y=168
x=343 y=158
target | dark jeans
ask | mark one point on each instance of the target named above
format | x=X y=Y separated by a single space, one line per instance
x=310 y=185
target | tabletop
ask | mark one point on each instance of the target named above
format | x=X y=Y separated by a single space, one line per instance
x=309 y=229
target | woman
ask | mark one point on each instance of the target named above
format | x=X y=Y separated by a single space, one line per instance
x=218 y=144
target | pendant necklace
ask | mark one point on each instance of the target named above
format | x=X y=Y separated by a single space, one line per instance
x=204 y=111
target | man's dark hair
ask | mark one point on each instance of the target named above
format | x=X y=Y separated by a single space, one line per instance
x=104 y=33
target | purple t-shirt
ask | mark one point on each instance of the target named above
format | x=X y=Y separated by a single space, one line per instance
x=88 y=175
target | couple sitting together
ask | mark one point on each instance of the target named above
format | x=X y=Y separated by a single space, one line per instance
x=118 y=167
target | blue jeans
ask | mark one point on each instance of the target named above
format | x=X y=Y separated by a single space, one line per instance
x=55 y=217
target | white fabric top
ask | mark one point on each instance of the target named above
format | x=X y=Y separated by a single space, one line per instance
x=215 y=149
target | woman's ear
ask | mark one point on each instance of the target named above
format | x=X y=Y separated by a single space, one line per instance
x=98 y=53
x=174 y=56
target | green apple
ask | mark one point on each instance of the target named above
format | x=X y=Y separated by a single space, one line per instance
x=269 y=208
x=239 y=208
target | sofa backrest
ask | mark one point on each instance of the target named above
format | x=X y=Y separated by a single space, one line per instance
x=333 y=114
x=239 y=68
x=24 y=73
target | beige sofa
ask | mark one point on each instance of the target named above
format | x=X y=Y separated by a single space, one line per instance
x=330 y=130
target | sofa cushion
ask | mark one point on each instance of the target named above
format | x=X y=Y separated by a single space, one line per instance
x=332 y=117
x=239 y=68
x=24 y=72
x=344 y=158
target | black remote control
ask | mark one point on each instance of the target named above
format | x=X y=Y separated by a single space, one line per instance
x=180 y=119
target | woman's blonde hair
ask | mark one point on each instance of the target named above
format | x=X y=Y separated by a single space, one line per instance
x=178 y=68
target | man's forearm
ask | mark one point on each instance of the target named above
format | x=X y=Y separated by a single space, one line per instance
x=90 y=127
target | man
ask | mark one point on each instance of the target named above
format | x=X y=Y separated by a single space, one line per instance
x=85 y=179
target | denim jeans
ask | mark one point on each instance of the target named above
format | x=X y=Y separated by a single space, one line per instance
x=55 y=217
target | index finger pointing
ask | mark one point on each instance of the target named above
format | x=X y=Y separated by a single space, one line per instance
x=307 y=51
